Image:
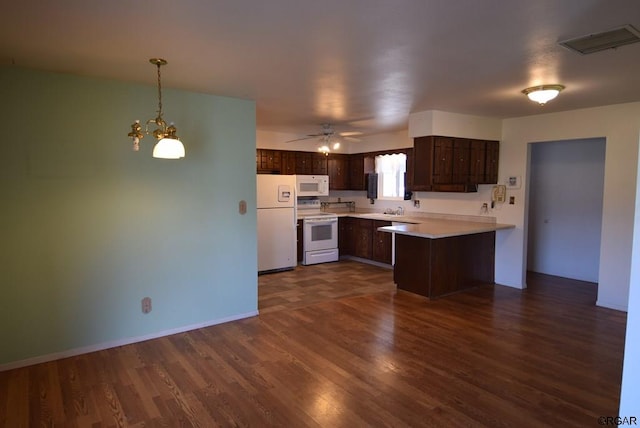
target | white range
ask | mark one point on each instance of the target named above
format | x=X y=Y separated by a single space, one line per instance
x=320 y=232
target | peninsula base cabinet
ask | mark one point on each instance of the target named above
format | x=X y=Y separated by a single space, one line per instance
x=437 y=267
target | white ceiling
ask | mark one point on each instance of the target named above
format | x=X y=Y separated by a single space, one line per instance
x=362 y=65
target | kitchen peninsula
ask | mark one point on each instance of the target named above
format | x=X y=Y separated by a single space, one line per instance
x=436 y=257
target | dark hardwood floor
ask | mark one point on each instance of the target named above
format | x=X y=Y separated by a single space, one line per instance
x=336 y=345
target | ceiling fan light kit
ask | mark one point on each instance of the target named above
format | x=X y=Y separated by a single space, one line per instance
x=328 y=139
x=542 y=93
x=169 y=145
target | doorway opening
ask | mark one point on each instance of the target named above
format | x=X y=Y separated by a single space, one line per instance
x=565 y=208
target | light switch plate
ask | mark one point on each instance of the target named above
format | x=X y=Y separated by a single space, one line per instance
x=146 y=305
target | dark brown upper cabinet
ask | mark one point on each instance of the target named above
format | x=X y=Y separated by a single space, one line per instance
x=449 y=164
x=268 y=161
x=338 y=169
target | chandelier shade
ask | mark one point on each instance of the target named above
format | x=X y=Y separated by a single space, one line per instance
x=168 y=148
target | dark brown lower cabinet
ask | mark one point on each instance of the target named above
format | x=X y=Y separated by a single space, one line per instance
x=363 y=245
x=300 y=240
x=381 y=242
x=345 y=236
x=360 y=238
x=437 y=267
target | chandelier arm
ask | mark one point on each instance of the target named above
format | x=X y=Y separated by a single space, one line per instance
x=146 y=126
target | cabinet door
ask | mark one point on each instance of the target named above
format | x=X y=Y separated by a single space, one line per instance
x=491 y=162
x=460 y=170
x=356 y=172
x=364 y=238
x=477 y=159
x=288 y=163
x=345 y=236
x=408 y=176
x=304 y=163
x=337 y=165
x=319 y=166
x=267 y=161
x=442 y=160
x=381 y=243
x=422 y=163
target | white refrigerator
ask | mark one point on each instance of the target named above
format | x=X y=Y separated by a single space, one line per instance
x=276 y=206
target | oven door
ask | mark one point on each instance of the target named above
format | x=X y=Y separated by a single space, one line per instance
x=320 y=233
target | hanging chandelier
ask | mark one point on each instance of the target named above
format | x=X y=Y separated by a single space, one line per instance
x=169 y=145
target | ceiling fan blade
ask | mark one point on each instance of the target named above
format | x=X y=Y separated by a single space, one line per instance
x=351 y=133
x=303 y=138
x=327 y=132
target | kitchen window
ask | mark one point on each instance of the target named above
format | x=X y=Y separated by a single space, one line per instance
x=391 y=169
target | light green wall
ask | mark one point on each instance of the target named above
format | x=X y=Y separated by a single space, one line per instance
x=90 y=227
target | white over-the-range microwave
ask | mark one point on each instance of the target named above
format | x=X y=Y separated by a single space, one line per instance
x=312 y=185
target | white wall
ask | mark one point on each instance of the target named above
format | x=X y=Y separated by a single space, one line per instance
x=565 y=208
x=384 y=141
x=435 y=122
x=630 y=392
x=620 y=126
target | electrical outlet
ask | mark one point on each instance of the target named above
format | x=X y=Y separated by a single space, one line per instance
x=146 y=305
x=512 y=200
x=416 y=203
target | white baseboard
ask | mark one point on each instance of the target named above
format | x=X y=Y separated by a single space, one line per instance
x=101 y=346
x=612 y=306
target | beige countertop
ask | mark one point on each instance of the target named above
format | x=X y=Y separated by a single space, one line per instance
x=440 y=228
x=380 y=216
x=432 y=228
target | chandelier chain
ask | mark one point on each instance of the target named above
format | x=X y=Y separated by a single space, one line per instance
x=159 y=92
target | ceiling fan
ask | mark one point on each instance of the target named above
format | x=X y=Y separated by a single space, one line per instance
x=328 y=138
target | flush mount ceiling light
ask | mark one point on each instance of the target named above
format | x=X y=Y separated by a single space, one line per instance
x=169 y=145
x=542 y=93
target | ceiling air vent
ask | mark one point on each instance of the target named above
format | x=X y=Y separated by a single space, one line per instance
x=601 y=41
